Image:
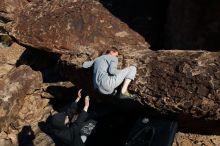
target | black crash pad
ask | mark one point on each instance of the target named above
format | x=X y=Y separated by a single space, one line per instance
x=152 y=132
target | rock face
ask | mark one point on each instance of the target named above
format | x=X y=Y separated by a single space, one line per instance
x=20 y=103
x=183 y=82
x=76 y=28
x=16 y=84
x=193 y=25
x=177 y=82
x=22 y=107
x=183 y=139
x=10 y=8
x=170 y=81
x=9 y=57
x=11 y=54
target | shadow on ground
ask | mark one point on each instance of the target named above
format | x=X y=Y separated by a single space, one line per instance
x=26 y=136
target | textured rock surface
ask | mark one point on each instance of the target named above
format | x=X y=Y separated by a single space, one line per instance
x=20 y=103
x=17 y=83
x=4 y=69
x=43 y=139
x=193 y=25
x=8 y=60
x=170 y=81
x=11 y=54
x=10 y=8
x=183 y=139
x=76 y=28
x=180 y=82
x=183 y=82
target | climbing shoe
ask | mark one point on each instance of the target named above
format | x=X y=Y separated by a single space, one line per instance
x=126 y=95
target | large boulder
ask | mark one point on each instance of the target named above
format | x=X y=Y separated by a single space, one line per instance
x=78 y=28
x=20 y=103
x=17 y=84
x=181 y=82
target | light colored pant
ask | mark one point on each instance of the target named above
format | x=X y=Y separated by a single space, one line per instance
x=109 y=83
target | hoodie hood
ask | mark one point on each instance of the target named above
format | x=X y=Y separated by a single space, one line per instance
x=58 y=120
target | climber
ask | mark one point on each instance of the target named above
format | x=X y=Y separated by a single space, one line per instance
x=67 y=127
x=106 y=76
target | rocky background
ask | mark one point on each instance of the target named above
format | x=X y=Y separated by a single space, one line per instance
x=44 y=43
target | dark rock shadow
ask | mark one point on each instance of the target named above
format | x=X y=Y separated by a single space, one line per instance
x=55 y=70
x=198 y=126
x=114 y=127
x=45 y=62
x=26 y=136
x=63 y=97
x=147 y=17
x=152 y=20
x=114 y=116
x=113 y=123
x=111 y=130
